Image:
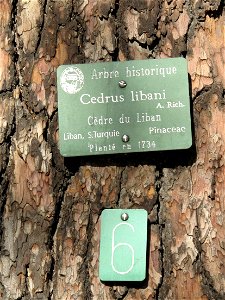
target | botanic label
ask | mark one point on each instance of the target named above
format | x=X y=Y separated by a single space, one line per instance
x=123 y=245
x=122 y=107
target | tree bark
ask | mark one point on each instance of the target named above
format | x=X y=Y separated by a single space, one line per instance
x=51 y=206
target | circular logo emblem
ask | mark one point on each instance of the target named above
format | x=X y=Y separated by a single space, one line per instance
x=72 y=80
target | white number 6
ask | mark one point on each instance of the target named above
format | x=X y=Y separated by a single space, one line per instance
x=114 y=247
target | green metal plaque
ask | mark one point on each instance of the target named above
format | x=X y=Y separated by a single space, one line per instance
x=122 y=107
x=123 y=244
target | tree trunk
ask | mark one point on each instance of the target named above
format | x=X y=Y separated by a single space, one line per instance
x=50 y=206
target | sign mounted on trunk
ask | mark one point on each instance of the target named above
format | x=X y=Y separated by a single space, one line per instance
x=123 y=107
x=123 y=245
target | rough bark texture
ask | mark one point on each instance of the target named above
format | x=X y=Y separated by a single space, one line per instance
x=50 y=206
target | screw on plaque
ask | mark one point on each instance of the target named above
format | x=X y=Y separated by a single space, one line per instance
x=125 y=138
x=124 y=216
x=122 y=83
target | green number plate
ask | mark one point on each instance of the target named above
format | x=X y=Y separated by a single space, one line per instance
x=123 y=245
x=122 y=107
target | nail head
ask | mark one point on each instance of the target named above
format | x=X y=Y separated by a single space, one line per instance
x=124 y=216
x=125 y=138
x=122 y=83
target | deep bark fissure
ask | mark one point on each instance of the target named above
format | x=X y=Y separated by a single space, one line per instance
x=80 y=35
x=55 y=222
x=25 y=292
x=42 y=25
x=46 y=130
x=59 y=196
x=158 y=185
x=223 y=98
x=15 y=55
x=120 y=187
x=115 y=54
x=114 y=11
x=84 y=272
x=4 y=173
x=61 y=179
x=212 y=195
x=161 y=250
x=4 y=187
x=50 y=276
